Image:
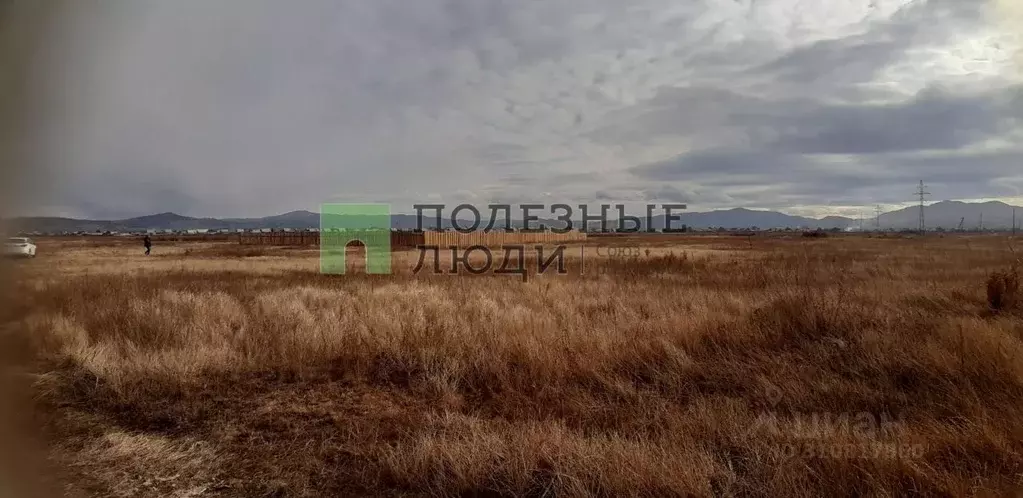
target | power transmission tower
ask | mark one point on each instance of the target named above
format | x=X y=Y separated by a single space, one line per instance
x=877 y=217
x=921 y=192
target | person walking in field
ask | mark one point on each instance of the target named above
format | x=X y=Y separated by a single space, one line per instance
x=148 y=243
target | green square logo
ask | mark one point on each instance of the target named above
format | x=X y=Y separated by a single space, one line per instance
x=341 y=224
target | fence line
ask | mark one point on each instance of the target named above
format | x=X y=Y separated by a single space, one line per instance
x=448 y=239
x=413 y=239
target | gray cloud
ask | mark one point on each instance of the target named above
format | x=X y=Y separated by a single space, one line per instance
x=933 y=120
x=852 y=154
x=253 y=107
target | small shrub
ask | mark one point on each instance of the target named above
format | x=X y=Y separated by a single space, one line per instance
x=1003 y=290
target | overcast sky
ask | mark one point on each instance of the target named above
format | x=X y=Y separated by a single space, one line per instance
x=257 y=107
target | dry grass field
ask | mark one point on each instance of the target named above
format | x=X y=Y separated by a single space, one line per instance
x=708 y=366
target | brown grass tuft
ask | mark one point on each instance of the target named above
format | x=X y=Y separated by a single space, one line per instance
x=1003 y=290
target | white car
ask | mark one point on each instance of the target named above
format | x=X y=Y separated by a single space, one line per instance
x=20 y=246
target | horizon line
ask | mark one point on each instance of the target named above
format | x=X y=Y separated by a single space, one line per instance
x=907 y=205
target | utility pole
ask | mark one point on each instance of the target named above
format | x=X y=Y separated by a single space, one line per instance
x=1013 y=221
x=981 y=221
x=877 y=217
x=921 y=192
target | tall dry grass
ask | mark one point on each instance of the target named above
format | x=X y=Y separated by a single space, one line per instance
x=840 y=366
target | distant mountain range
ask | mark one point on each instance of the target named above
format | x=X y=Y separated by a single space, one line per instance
x=950 y=214
x=945 y=214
